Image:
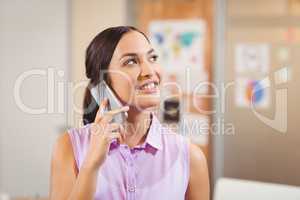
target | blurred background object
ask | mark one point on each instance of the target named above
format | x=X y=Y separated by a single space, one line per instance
x=266 y=140
x=233 y=189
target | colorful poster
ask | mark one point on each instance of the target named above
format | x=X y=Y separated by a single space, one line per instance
x=250 y=91
x=180 y=45
x=252 y=58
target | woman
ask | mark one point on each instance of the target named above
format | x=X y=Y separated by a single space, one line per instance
x=139 y=159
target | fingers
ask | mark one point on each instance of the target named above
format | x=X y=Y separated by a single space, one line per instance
x=109 y=135
x=101 y=123
x=101 y=109
x=115 y=135
x=118 y=110
x=98 y=128
x=113 y=127
x=108 y=116
x=115 y=131
x=110 y=131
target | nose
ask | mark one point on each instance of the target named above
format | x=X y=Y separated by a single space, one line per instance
x=146 y=70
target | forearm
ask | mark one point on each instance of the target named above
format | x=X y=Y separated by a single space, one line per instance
x=85 y=185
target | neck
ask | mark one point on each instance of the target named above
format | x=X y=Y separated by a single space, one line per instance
x=136 y=126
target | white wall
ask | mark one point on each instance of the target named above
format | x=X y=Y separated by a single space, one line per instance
x=33 y=36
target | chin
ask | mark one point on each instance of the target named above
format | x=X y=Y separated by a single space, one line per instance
x=147 y=102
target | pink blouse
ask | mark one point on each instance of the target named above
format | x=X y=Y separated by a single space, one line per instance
x=157 y=169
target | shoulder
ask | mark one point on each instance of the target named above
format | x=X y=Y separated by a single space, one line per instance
x=62 y=149
x=63 y=142
x=198 y=187
x=197 y=157
x=198 y=163
x=63 y=160
x=70 y=145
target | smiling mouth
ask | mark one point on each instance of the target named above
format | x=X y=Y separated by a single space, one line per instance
x=148 y=88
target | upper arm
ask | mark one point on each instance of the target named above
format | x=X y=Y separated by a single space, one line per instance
x=198 y=188
x=63 y=168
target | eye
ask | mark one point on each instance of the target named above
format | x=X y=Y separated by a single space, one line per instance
x=153 y=58
x=131 y=61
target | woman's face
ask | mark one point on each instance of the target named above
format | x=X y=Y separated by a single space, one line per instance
x=134 y=72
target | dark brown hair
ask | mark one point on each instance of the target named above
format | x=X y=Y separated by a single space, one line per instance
x=98 y=57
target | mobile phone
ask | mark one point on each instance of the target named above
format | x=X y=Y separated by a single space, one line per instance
x=102 y=91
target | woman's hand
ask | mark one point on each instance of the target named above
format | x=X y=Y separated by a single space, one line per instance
x=102 y=134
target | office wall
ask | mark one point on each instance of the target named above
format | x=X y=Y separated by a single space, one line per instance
x=33 y=35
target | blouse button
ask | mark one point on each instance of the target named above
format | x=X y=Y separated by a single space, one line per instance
x=131 y=189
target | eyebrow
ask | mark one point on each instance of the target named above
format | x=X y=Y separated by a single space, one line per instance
x=135 y=54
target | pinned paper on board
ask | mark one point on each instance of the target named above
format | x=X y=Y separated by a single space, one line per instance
x=179 y=42
x=252 y=58
x=251 y=91
x=180 y=45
